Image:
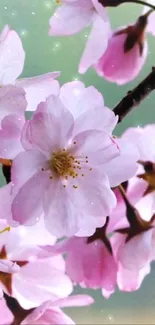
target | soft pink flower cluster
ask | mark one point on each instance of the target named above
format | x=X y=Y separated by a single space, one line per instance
x=69 y=176
x=117 y=55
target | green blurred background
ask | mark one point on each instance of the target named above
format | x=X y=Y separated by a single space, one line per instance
x=43 y=54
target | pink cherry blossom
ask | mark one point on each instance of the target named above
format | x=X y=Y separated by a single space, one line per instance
x=72 y=16
x=50 y=312
x=82 y=185
x=12 y=57
x=40 y=277
x=131 y=47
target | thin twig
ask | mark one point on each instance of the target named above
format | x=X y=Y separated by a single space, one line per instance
x=135 y=96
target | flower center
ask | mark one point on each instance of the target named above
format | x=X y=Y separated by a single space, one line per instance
x=62 y=164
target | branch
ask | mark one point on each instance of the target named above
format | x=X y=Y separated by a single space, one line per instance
x=18 y=312
x=115 y=3
x=135 y=96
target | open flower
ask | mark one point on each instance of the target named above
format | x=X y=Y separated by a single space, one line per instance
x=12 y=57
x=63 y=173
x=131 y=47
x=72 y=16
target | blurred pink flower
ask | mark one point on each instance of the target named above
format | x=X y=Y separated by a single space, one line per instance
x=50 y=312
x=131 y=47
x=12 y=57
x=40 y=277
x=73 y=16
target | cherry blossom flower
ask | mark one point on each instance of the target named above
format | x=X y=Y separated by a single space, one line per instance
x=50 y=312
x=63 y=165
x=40 y=277
x=131 y=47
x=72 y=16
x=70 y=133
x=12 y=57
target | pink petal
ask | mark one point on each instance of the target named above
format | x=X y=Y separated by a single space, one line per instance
x=69 y=20
x=49 y=130
x=12 y=56
x=140 y=138
x=125 y=165
x=135 y=253
x=10 y=134
x=131 y=280
x=49 y=316
x=27 y=204
x=8 y=266
x=100 y=118
x=78 y=99
x=61 y=217
x=40 y=281
x=97 y=43
x=65 y=207
x=73 y=301
x=145 y=206
x=6 y=199
x=12 y=101
x=151 y=19
x=26 y=165
x=6 y=317
x=98 y=146
x=38 y=88
x=101 y=10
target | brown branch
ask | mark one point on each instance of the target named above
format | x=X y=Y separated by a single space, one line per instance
x=115 y=3
x=135 y=96
x=18 y=312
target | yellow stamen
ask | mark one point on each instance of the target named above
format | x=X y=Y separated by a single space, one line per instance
x=5 y=229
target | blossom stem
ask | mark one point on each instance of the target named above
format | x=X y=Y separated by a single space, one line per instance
x=132 y=213
x=18 y=312
x=136 y=96
x=115 y=3
x=7 y=173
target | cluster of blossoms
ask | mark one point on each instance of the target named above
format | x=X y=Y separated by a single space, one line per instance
x=78 y=206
